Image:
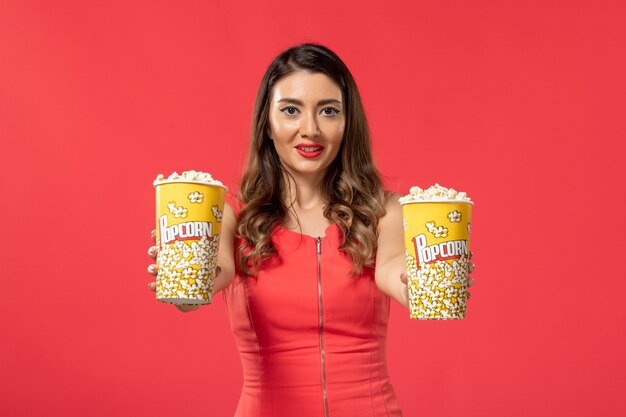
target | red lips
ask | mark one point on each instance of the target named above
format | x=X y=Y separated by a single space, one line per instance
x=309 y=145
x=309 y=150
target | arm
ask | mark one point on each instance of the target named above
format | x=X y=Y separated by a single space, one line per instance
x=391 y=255
x=225 y=254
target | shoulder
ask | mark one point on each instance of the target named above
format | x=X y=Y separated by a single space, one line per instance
x=232 y=207
x=392 y=199
x=393 y=209
x=390 y=236
x=390 y=225
x=232 y=204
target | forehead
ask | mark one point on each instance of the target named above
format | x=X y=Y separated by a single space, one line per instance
x=306 y=86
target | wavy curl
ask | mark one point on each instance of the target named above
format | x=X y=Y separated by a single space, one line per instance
x=352 y=185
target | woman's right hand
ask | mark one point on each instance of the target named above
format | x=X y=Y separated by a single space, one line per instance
x=152 y=270
x=224 y=273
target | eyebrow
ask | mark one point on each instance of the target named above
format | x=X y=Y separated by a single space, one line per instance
x=319 y=103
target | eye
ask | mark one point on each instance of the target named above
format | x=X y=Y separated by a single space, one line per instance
x=287 y=111
x=333 y=111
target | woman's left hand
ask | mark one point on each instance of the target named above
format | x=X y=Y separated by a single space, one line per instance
x=405 y=288
x=470 y=269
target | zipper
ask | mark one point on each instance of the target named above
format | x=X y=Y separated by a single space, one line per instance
x=321 y=323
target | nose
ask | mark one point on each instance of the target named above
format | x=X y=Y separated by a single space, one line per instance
x=309 y=126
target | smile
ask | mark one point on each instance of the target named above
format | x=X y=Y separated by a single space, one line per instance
x=309 y=150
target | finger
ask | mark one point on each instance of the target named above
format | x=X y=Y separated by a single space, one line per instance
x=152 y=269
x=153 y=235
x=471 y=254
x=471 y=267
x=470 y=281
x=403 y=278
x=152 y=286
x=468 y=295
x=153 y=252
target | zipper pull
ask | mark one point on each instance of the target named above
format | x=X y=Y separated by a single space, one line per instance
x=319 y=245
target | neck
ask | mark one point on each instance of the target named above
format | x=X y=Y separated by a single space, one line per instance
x=303 y=191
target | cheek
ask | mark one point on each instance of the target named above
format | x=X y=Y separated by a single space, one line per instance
x=332 y=128
x=282 y=127
x=337 y=140
x=287 y=128
x=341 y=126
x=338 y=136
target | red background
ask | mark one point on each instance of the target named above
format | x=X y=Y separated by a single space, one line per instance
x=521 y=104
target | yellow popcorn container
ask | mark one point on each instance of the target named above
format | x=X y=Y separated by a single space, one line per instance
x=436 y=238
x=189 y=222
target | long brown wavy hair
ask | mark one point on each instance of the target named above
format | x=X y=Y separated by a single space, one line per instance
x=352 y=185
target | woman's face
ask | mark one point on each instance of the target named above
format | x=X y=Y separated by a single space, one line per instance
x=307 y=121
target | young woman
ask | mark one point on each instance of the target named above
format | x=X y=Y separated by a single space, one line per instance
x=312 y=250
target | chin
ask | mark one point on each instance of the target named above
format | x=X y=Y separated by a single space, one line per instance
x=307 y=168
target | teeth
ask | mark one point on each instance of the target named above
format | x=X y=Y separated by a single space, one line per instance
x=308 y=149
